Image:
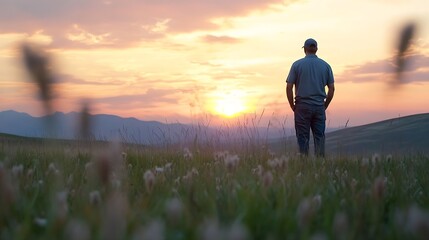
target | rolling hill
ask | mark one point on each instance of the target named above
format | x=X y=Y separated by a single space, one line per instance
x=409 y=134
x=403 y=135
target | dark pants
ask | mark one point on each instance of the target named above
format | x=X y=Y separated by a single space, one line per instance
x=310 y=117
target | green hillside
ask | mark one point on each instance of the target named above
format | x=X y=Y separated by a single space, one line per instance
x=408 y=134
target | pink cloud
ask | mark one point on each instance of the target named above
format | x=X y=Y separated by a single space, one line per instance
x=220 y=39
x=114 y=23
x=416 y=70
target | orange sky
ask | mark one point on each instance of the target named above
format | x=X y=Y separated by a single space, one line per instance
x=194 y=60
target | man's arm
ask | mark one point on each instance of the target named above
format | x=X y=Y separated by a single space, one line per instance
x=289 y=94
x=330 y=95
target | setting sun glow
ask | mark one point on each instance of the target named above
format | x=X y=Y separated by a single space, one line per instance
x=182 y=61
x=229 y=105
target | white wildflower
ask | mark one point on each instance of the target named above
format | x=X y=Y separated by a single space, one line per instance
x=88 y=166
x=61 y=205
x=187 y=154
x=149 y=179
x=52 y=169
x=17 y=170
x=299 y=177
x=167 y=166
x=41 y=222
x=220 y=156
x=94 y=197
x=177 y=180
x=389 y=157
x=317 y=202
x=231 y=162
x=375 y=158
x=364 y=162
x=188 y=177
x=271 y=153
x=70 y=180
x=159 y=170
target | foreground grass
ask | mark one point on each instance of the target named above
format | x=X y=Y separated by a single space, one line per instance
x=119 y=193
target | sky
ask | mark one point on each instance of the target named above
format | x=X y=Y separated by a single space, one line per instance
x=214 y=61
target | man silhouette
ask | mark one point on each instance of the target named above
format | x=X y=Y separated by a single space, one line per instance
x=310 y=75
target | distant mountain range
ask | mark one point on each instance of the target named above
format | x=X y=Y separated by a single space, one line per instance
x=102 y=127
x=110 y=127
x=408 y=134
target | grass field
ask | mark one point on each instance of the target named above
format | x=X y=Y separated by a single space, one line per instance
x=52 y=190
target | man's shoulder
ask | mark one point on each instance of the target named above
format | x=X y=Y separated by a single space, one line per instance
x=323 y=61
x=299 y=61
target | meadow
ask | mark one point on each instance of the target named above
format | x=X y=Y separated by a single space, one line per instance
x=58 y=189
x=99 y=190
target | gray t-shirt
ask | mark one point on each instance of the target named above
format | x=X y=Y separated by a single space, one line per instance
x=310 y=76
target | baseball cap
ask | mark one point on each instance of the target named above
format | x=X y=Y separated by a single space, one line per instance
x=310 y=42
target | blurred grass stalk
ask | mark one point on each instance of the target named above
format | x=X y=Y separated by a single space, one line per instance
x=405 y=40
x=38 y=66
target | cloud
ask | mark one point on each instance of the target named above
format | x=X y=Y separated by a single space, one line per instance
x=69 y=79
x=150 y=98
x=115 y=23
x=416 y=70
x=220 y=39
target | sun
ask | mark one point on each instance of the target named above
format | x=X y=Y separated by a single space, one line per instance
x=230 y=104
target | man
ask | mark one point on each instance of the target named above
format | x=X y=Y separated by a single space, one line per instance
x=310 y=75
